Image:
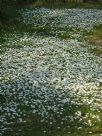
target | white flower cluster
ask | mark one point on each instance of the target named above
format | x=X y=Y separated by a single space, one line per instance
x=45 y=76
x=62 y=18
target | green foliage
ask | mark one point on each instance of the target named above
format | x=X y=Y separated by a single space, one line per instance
x=7 y=10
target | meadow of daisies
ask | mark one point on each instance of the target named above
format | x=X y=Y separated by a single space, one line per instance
x=50 y=83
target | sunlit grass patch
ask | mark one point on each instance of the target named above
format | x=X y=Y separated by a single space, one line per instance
x=94 y=38
x=96 y=51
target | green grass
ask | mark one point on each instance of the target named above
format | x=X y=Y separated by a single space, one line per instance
x=94 y=38
x=33 y=127
x=67 y=5
x=95 y=35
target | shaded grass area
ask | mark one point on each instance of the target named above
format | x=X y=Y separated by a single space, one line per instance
x=33 y=127
x=93 y=5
